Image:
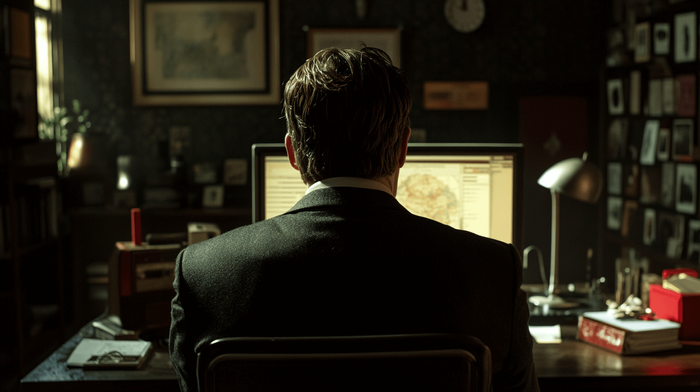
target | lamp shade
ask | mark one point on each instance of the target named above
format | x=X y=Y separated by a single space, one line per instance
x=574 y=177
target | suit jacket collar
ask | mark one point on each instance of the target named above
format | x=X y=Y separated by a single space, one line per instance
x=346 y=197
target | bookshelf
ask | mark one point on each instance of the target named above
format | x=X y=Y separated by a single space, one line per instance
x=31 y=243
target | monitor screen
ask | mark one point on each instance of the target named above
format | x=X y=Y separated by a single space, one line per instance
x=474 y=187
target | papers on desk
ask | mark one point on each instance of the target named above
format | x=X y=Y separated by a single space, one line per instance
x=548 y=334
x=110 y=354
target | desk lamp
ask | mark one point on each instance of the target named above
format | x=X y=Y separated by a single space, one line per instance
x=581 y=180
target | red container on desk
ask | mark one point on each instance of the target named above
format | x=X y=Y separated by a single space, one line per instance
x=681 y=308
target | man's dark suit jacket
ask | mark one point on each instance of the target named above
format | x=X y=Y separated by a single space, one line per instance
x=351 y=261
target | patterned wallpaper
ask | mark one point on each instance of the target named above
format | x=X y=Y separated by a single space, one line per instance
x=524 y=47
x=521 y=42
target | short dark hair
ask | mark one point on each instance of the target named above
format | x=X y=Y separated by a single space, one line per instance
x=346 y=113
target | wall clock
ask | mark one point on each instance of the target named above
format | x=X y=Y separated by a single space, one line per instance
x=465 y=15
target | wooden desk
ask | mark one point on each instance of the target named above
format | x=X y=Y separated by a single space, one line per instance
x=570 y=366
x=54 y=375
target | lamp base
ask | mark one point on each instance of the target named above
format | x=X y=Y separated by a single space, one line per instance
x=552 y=301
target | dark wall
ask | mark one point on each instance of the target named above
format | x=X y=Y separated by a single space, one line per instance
x=525 y=47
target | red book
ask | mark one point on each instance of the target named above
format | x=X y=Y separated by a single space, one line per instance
x=628 y=336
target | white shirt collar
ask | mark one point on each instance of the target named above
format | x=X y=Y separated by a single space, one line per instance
x=351 y=182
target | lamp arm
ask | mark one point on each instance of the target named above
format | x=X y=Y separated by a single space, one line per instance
x=554 y=268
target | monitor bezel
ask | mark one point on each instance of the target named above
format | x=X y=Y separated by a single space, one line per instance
x=260 y=151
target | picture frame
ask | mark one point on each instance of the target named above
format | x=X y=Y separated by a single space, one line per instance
x=668 y=96
x=237 y=61
x=629 y=215
x=615 y=178
x=668 y=180
x=651 y=135
x=662 y=35
x=671 y=232
x=649 y=231
x=685 y=37
x=642 y=47
x=617 y=138
x=686 y=188
x=614 y=220
x=663 y=145
x=213 y=196
x=235 y=171
x=694 y=241
x=650 y=185
x=631 y=180
x=655 y=94
x=635 y=91
x=682 y=139
x=616 y=99
x=386 y=39
x=686 y=88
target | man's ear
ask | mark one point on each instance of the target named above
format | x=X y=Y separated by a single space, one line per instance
x=290 y=152
x=404 y=146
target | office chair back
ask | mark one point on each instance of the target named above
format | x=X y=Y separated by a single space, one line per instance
x=432 y=362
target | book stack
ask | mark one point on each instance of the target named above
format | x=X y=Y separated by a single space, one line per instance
x=628 y=336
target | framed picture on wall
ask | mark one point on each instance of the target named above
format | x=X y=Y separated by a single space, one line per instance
x=686 y=95
x=386 y=39
x=650 y=185
x=668 y=179
x=614 y=213
x=671 y=232
x=616 y=101
x=649 y=232
x=685 y=37
x=651 y=137
x=683 y=139
x=213 y=196
x=662 y=35
x=642 y=44
x=694 y=240
x=617 y=138
x=663 y=144
x=635 y=91
x=668 y=95
x=205 y=53
x=686 y=188
x=615 y=178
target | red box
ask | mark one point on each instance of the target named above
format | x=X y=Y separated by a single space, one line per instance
x=681 y=308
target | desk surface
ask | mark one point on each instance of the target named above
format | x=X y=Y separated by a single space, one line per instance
x=569 y=366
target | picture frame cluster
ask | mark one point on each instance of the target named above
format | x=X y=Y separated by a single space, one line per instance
x=651 y=151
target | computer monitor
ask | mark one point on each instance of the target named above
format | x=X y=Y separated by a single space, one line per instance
x=474 y=187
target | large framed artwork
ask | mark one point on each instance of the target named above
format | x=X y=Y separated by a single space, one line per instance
x=205 y=53
x=386 y=39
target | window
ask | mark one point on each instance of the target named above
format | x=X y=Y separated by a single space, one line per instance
x=47 y=59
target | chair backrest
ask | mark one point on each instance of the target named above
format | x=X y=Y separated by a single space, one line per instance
x=429 y=362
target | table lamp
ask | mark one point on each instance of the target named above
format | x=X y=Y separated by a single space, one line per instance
x=581 y=180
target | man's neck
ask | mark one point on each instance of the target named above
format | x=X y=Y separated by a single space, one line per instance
x=385 y=184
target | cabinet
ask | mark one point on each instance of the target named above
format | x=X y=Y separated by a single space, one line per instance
x=649 y=139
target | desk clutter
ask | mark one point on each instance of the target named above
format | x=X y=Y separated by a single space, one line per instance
x=628 y=328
